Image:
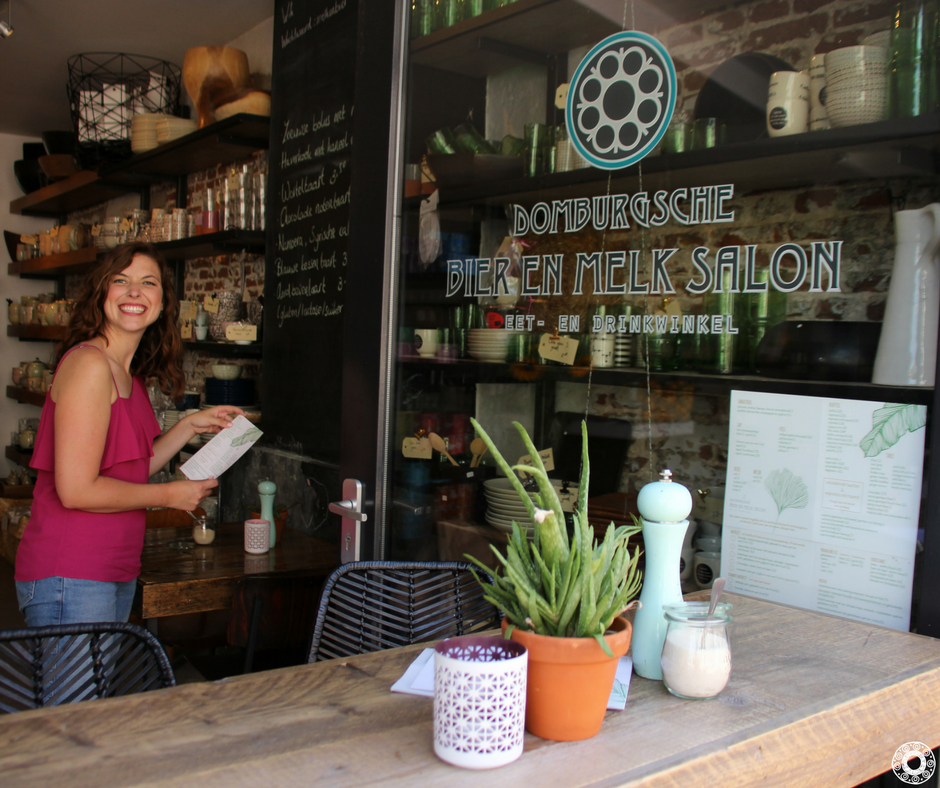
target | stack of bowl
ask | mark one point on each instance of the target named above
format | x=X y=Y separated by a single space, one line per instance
x=856 y=85
x=489 y=344
x=170 y=128
x=144 y=131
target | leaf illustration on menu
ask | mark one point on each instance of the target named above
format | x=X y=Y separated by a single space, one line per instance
x=890 y=424
x=788 y=490
x=249 y=437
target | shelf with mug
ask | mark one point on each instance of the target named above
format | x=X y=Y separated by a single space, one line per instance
x=692 y=382
x=18 y=455
x=899 y=148
x=211 y=244
x=55 y=265
x=532 y=30
x=224 y=349
x=32 y=331
x=26 y=396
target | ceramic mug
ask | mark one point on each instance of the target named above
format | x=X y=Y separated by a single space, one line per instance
x=788 y=103
x=201 y=332
x=257 y=536
x=427 y=341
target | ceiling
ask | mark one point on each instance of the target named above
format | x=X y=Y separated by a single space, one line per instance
x=34 y=60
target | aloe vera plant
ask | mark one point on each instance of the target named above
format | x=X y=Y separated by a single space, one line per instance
x=555 y=586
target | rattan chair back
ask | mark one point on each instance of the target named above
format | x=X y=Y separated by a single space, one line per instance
x=369 y=606
x=68 y=663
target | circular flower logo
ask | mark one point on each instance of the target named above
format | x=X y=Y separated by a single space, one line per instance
x=621 y=100
x=913 y=763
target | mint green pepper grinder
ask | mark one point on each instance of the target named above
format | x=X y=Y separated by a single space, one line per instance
x=266 y=490
x=664 y=510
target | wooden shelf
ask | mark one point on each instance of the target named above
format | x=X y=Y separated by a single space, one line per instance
x=905 y=148
x=26 y=396
x=224 y=349
x=218 y=144
x=78 y=191
x=30 y=331
x=16 y=490
x=700 y=383
x=55 y=265
x=18 y=455
x=211 y=244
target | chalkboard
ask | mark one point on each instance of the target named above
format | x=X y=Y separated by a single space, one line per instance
x=307 y=223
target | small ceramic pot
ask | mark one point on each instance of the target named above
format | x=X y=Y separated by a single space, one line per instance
x=34 y=369
x=17 y=376
x=27 y=438
x=13 y=312
x=35 y=385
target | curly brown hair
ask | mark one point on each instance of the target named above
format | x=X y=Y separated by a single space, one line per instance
x=160 y=351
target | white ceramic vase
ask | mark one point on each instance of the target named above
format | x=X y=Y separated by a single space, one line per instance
x=907 y=350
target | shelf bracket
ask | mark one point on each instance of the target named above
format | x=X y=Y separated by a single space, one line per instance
x=510 y=50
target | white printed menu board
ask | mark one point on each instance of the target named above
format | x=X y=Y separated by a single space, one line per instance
x=821 y=504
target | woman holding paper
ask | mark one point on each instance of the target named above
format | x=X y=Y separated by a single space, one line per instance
x=79 y=557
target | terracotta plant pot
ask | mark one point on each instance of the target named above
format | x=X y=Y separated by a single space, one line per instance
x=214 y=76
x=569 y=681
x=278 y=525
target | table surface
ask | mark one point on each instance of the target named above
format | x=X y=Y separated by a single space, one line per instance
x=813 y=701
x=174 y=581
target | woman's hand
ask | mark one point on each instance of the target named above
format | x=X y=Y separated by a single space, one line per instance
x=188 y=495
x=213 y=419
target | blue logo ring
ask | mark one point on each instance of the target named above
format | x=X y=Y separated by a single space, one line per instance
x=621 y=100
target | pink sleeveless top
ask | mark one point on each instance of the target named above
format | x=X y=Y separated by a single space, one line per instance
x=60 y=542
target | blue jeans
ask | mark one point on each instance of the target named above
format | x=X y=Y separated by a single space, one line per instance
x=66 y=600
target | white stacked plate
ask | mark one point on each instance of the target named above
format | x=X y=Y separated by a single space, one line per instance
x=170 y=128
x=503 y=505
x=489 y=344
x=623 y=350
x=170 y=417
x=144 y=131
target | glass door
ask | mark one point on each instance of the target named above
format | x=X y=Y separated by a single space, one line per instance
x=642 y=218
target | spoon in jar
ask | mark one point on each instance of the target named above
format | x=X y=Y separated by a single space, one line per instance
x=477 y=449
x=717 y=587
x=437 y=443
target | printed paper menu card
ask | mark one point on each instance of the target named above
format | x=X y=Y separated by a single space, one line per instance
x=220 y=453
x=821 y=503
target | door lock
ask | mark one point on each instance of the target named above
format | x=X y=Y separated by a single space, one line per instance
x=350 y=509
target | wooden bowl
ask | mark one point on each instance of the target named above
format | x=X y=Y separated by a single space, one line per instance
x=214 y=76
x=58 y=166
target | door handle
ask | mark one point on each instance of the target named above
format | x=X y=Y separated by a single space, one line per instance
x=350 y=509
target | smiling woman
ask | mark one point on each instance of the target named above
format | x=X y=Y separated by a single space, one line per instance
x=95 y=450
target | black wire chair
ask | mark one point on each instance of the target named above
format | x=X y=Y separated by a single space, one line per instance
x=370 y=606
x=68 y=663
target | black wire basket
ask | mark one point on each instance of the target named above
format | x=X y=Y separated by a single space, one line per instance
x=106 y=90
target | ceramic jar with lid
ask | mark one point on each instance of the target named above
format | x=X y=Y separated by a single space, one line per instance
x=35 y=368
x=111 y=233
x=27 y=438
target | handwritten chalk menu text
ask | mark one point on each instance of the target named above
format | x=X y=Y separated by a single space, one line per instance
x=308 y=222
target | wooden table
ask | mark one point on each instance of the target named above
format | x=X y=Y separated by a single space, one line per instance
x=174 y=581
x=812 y=701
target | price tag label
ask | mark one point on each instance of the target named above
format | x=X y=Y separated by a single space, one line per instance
x=564 y=350
x=416 y=448
x=188 y=310
x=241 y=332
x=186 y=330
x=548 y=459
x=569 y=499
x=211 y=304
